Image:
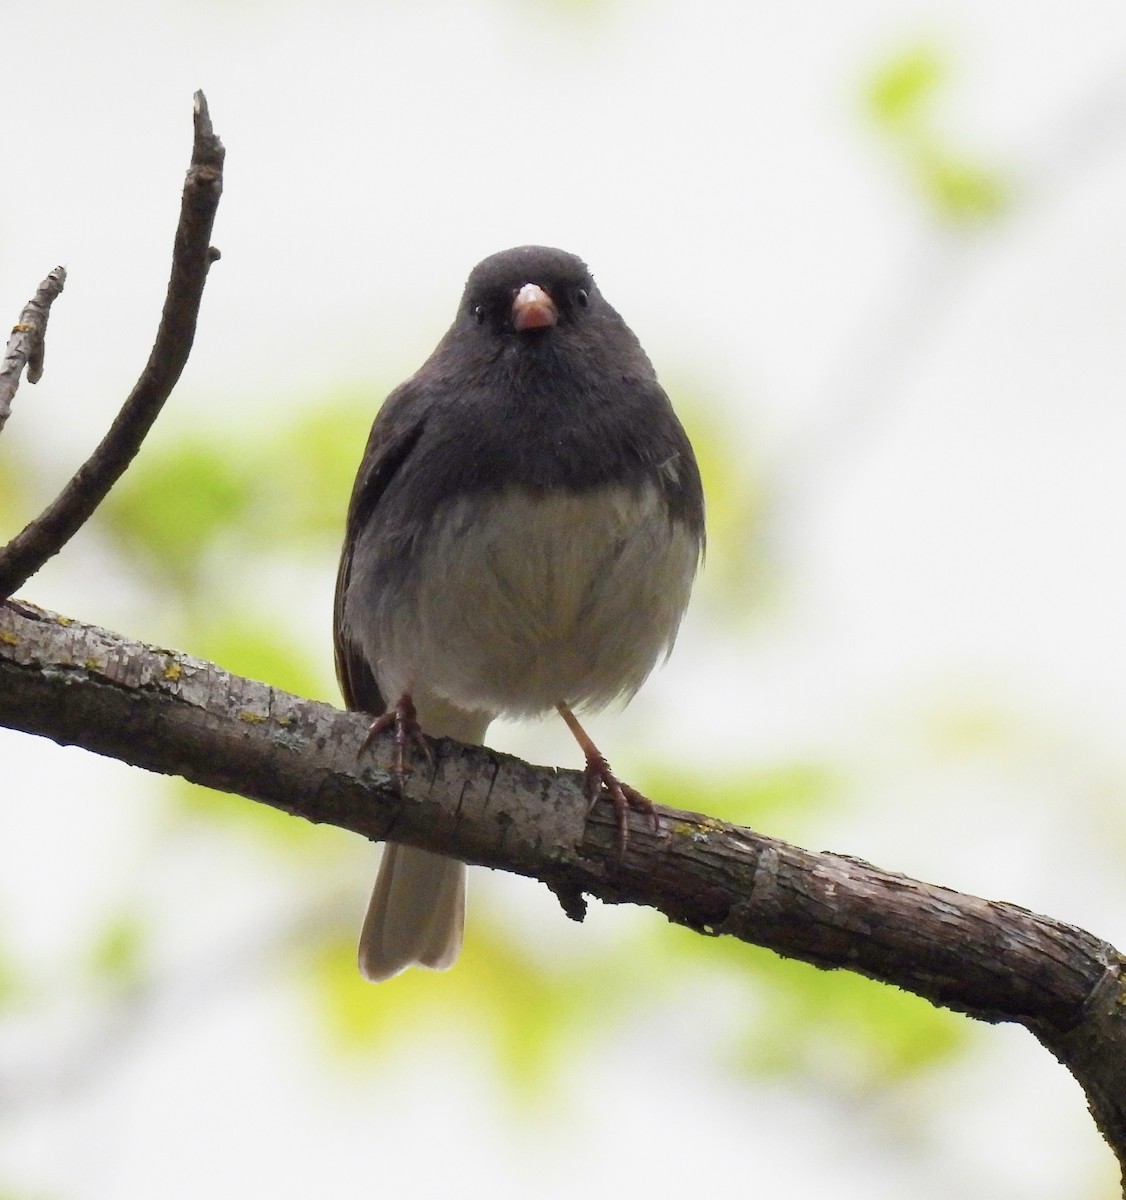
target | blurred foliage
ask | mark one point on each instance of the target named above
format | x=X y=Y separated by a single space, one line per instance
x=834 y=1030
x=221 y=532
x=242 y=508
x=737 y=579
x=216 y=527
x=193 y=510
x=8 y=977
x=174 y=504
x=903 y=99
x=902 y=88
x=186 y=503
x=118 y=955
x=532 y=1015
x=844 y=1030
x=260 y=649
x=761 y=797
x=269 y=826
x=13 y=490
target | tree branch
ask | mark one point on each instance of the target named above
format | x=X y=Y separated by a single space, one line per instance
x=27 y=345
x=191 y=257
x=171 y=713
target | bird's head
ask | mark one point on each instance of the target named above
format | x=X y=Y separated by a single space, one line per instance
x=529 y=291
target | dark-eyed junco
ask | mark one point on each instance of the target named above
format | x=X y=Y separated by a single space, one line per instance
x=523 y=535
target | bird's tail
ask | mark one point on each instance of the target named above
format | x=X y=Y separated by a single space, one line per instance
x=416 y=914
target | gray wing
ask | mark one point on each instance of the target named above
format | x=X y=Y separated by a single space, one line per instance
x=393 y=436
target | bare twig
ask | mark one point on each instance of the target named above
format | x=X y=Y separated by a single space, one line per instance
x=26 y=345
x=171 y=713
x=191 y=257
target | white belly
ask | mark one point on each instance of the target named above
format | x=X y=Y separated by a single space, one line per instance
x=523 y=600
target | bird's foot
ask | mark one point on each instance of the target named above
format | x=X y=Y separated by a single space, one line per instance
x=599 y=780
x=403 y=719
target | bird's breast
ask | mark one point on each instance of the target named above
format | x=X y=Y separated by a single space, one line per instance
x=518 y=599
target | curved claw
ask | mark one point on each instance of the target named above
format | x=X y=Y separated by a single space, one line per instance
x=599 y=779
x=403 y=719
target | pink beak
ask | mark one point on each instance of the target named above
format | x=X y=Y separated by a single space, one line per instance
x=533 y=308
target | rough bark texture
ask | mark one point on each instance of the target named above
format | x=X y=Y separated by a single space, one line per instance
x=171 y=713
x=27 y=345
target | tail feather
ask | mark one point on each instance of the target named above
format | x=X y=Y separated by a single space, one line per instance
x=416 y=914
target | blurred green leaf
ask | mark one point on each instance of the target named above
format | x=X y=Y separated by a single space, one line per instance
x=971 y=725
x=776 y=798
x=247 y=643
x=176 y=500
x=847 y=1031
x=190 y=509
x=530 y=1015
x=269 y=827
x=962 y=190
x=902 y=97
x=117 y=955
x=16 y=507
x=9 y=984
x=835 y=1028
x=900 y=89
x=258 y=496
x=736 y=579
x=321 y=452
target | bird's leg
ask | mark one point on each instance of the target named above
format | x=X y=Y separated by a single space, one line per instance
x=403 y=718
x=598 y=778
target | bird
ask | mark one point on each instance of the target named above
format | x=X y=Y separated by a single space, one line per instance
x=524 y=531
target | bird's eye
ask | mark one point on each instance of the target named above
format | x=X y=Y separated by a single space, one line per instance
x=582 y=298
x=479 y=314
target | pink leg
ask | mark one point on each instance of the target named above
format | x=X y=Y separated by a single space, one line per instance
x=598 y=778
